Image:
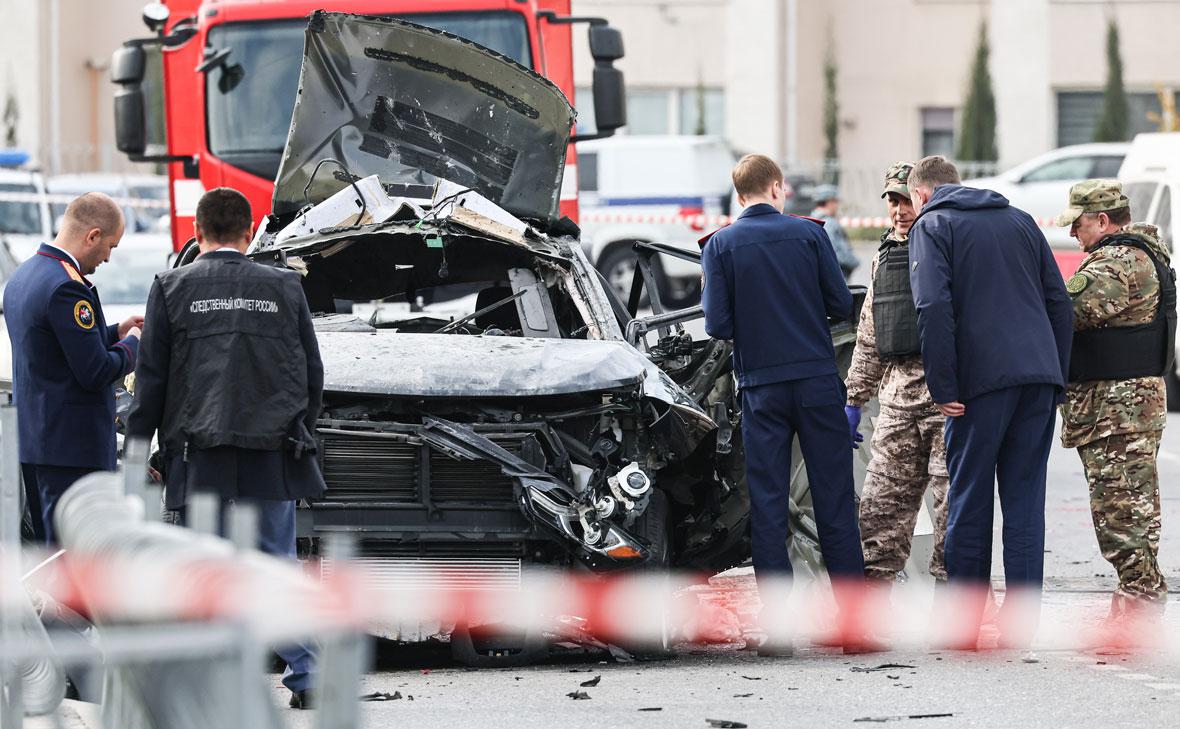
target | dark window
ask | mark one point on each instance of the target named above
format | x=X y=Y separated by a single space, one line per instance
x=19 y=216
x=587 y=172
x=938 y=131
x=1078 y=113
x=1107 y=166
x=1059 y=170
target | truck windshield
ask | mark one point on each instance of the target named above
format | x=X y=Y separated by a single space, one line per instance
x=249 y=98
x=19 y=216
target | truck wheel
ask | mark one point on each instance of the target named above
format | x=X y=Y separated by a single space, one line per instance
x=1173 y=384
x=617 y=266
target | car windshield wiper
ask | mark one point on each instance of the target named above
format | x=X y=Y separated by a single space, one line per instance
x=480 y=312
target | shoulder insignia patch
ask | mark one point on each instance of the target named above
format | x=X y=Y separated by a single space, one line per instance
x=1077 y=284
x=72 y=272
x=84 y=314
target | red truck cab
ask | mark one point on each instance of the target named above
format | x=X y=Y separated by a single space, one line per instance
x=211 y=93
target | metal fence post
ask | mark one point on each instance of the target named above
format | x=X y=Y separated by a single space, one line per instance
x=11 y=702
x=343 y=657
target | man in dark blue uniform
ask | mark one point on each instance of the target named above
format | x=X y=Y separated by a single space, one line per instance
x=996 y=326
x=230 y=375
x=771 y=283
x=65 y=358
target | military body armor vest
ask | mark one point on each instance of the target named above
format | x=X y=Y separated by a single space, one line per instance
x=895 y=317
x=1141 y=350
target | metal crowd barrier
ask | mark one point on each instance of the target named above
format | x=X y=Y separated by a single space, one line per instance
x=173 y=664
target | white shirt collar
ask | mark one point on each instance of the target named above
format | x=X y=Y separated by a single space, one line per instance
x=68 y=255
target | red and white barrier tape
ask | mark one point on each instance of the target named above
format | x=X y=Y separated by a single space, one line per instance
x=712 y=222
x=645 y=608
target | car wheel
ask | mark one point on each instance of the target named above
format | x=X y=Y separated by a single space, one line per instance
x=617 y=265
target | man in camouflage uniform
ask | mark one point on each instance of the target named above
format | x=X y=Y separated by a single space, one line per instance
x=1116 y=424
x=908 y=452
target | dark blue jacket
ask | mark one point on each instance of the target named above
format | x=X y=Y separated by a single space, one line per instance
x=992 y=307
x=771 y=282
x=65 y=362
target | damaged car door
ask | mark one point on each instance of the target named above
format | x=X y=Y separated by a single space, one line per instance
x=701 y=365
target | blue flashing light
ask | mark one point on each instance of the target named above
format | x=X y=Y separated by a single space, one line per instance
x=11 y=157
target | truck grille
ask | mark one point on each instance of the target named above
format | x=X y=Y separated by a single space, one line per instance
x=364 y=464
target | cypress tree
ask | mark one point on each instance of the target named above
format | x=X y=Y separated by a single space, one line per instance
x=1112 y=125
x=831 y=118
x=977 y=131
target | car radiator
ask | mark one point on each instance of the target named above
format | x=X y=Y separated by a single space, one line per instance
x=369 y=463
x=424 y=566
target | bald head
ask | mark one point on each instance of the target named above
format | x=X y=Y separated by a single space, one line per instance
x=93 y=210
x=91 y=227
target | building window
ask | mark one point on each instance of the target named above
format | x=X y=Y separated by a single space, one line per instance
x=691 y=103
x=938 y=131
x=661 y=111
x=649 y=111
x=1078 y=113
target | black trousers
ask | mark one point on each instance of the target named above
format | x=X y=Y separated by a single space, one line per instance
x=44 y=485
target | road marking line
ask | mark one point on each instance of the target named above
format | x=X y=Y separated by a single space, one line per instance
x=1079 y=659
x=1106 y=667
x=1138 y=676
x=1164 y=686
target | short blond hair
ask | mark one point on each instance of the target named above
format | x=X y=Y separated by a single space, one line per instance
x=932 y=171
x=754 y=174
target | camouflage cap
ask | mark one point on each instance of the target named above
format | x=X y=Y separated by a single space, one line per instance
x=1092 y=196
x=895 y=179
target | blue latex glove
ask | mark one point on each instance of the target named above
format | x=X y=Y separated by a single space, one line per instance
x=852 y=412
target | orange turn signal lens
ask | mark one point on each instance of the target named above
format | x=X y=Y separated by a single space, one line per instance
x=624 y=552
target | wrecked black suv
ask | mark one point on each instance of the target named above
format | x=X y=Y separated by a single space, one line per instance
x=489 y=402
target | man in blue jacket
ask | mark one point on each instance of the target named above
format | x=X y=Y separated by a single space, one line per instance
x=996 y=326
x=65 y=358
x=771 y=283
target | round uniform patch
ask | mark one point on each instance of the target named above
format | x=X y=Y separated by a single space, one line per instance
x=84 y=314
x=1077 y=283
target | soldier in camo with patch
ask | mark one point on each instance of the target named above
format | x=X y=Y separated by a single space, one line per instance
x=908 y=451
x=1116 y=422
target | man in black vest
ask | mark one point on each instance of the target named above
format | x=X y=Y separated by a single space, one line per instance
x=1115 y=409
x=231 y=376
x=908 y=451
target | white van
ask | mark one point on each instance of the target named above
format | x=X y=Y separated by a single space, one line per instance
x=1151 y=179
x=653 y=189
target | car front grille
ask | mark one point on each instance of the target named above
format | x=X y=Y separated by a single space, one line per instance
x=442 y=566
x=364 y=463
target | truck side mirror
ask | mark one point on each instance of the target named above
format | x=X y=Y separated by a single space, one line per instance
x=606 y=43
x=610 y=95
x=610 y=100
x=128 y=65
x=130 y=121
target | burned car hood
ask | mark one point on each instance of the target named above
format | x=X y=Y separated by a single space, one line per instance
x=411 y=105
x=457 y=365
